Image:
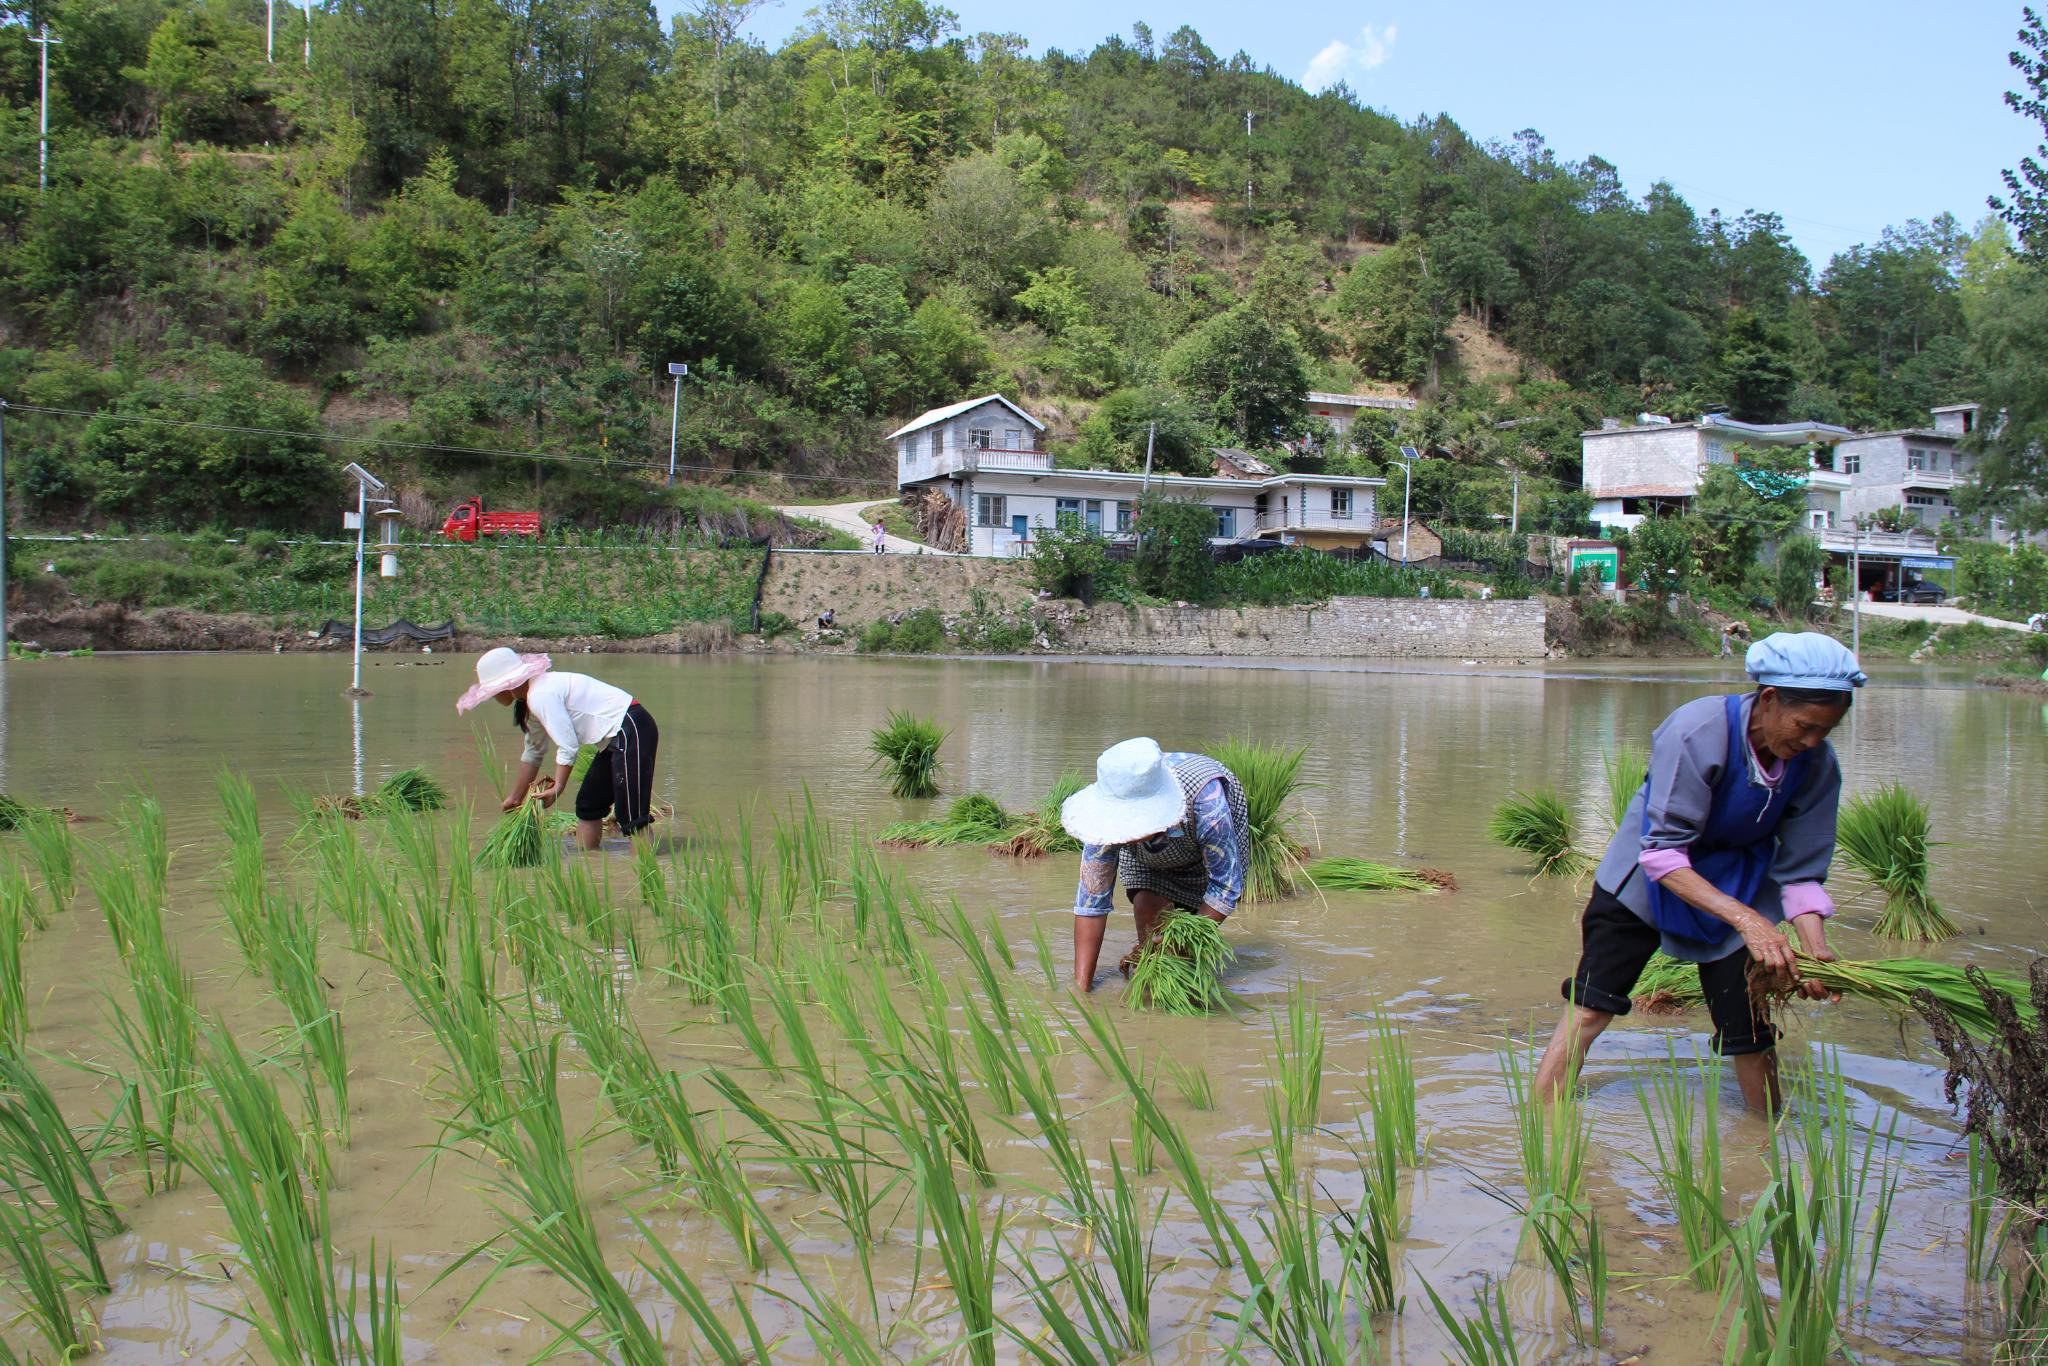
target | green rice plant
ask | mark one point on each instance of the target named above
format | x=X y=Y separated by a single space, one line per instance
x=524 y=837
x=1270 y=776
x=1552 y=1138
x=291 y=959
x=140 y=819
x=1390 y=1092
x=2023 y=1298
x=1298 y=1059
x=1685 y=1139
x=1488 y=1340
x=407 y=791
x=1852 y=1176
x=161 y=1036
x=1627 y=769
x=1340 y=873
x=1179 y=970
x=1536 y=822
x=906 y=748
x=44 y=1284
x=1292 y=1306
x=42 y=1163
x=970 y=1251
x=1191 y=1079
x=1574 y=1246
x=1892 y=982
x=976 y=818
x=17 y=815
x=1041 y=947
x=245 y=880
x=16 y=914
x=277 y=1207
x=1884 y=835
x=1983 y=1205
x=1668 y=985
x=1116 y=1319
x=1032 y=1080
x=343 y=879
x=1797 y=1325
x=1040 y=831
x=48 y=837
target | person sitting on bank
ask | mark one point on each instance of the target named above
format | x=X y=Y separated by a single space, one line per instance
x=1172 y=826
x=1730 y=836
x=570 y=711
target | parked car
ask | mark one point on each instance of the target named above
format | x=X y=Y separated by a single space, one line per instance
x=1919 y=591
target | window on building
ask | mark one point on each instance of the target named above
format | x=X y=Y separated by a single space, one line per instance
x=980 y=438
x=991 y=509
x=1123 y=516
x=1013 y=438
x=1852 y=462
x=1095 y=516
x=1916 y=459
x=1067 y=513
x=1919 y=500
x=1226 y=523
x=1820 y=519
x=1340 y=502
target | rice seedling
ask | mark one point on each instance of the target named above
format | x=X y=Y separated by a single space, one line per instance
x=1116 y=1323
x=1040 y=832
x=1179 y=970
x=161 y=1037
x=1191 y=1079
x=1271 y=778
x=43 y=1164
x=277 y=1207
x=48 y=837
x=291 y=957
x=1536 y=822
x=1298 y=1059
x=1685 y=1138
x=1852 y=1176
x=1895 y=983
x=1627 y=769
x=407 y=791
x=1553 y=1141
x=44 y=1284
x=906 y=748
x=16 y=903
x=1667 y=985
x=1390 y=1092
x=969 y=1251
x=1042 y=949
x=527 y=835
x=1884 y=837
x=245 y=881
x=1291 y=1306
x=140 y=820
x=976 y=818
x=343 y=880
x=1340 y=873
x=1983 y=1205
x=1489 y=1339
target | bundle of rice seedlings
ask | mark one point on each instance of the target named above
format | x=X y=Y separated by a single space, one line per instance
x=409 y=789
x=524 y=836
x=1667 y=985
x=1893 y=982
x=1345 y=874
x=907 y=749
x=1041 y=832
x=1536 y=822
x=1884 y=835
x=976 y=818
x=1270 y=776
x=14 y=814
x=1179 y=970
x=1627 y=769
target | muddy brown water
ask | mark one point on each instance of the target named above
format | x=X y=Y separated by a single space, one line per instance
x=1404 y=765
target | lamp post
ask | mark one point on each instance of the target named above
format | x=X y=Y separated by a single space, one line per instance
x=43 y=135
x=366 y=483
x=676 y=370
x=1407 y=486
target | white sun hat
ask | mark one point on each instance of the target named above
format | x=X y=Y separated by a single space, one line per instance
x=498 y=670
x=1134 y=795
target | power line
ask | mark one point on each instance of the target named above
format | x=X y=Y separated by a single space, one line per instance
x=430 y=447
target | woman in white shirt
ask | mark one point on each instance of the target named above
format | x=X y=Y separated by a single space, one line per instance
x=570 y=711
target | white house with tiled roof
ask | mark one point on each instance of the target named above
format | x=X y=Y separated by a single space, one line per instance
x=988 y=456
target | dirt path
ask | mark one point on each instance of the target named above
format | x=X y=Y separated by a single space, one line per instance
x=846 y=517
x=1946 y=616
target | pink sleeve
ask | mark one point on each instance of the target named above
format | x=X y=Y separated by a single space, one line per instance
x=1806 y=898
x=1661 y=863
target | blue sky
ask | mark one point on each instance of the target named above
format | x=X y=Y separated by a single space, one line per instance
x=1843 y=118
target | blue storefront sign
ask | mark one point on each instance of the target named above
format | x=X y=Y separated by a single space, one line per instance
x=1928 y=561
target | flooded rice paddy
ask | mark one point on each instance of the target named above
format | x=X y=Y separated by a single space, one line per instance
x=1402 y=766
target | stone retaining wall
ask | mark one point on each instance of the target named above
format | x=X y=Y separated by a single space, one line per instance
x=1448 y=628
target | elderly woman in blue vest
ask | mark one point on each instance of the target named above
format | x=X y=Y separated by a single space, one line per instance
x=1172 y=826
x=1731 y=836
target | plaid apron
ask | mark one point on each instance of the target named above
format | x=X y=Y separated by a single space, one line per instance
x=1171 y=864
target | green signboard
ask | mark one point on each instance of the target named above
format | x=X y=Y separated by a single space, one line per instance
x=1601 y=563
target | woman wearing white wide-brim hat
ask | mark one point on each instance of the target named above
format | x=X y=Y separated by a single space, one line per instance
x=571 y=711
x=1172 y=826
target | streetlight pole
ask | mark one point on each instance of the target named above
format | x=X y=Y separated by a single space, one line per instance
x=676 y=371
x=3 y=530
x=1856 y=592
x=270 y=31
x=365 y=481
x=309 y=35
x=1515 y=508
x=1407 y=487
x=43 y=136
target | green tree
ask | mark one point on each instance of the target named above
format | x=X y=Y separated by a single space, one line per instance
x=1664 y=554
x=1173 y=558
x=1801 y=562
x=1399 y=312
x=2025 y=205
x=1248 y=372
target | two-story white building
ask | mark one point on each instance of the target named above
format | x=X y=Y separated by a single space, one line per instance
x=1656 y=465
x=1339 y=412
x=988 y=456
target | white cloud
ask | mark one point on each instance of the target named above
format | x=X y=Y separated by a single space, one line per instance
x=1341 y=60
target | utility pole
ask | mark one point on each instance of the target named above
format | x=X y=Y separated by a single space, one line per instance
x=43 y=137
x=270 y=31
x=309 y=35
x=676 y=371
x=3 y=530
x=1856 y=592
x=1515 y=508
x=1407 y=487
x=1151 y=430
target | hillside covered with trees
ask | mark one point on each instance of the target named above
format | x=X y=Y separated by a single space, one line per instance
x=489 y=224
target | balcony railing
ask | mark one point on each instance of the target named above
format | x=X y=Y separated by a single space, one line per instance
x=1931 y=479
x=969 y=459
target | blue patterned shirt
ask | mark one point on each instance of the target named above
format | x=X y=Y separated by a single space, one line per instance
x=1222 y=855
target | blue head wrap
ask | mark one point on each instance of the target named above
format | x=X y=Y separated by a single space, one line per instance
x=1806 y=659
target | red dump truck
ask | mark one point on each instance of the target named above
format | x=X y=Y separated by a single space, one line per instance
x=469 y=521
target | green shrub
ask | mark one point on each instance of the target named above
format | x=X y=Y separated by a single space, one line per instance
x=263 y=545
x=920 y=633
x=1173 y=559
x=130 y=582
x=1067 y=560
x=875 y=637
x=774 y=624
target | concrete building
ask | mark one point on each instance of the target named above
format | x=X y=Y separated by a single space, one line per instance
x=1340 y=411
x=1656 y=465
x=988 y=457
